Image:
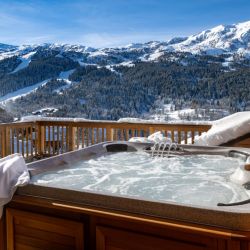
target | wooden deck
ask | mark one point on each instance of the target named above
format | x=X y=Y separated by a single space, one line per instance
x=47 y=138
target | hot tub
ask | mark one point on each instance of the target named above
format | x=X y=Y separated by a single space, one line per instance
x=109 y=209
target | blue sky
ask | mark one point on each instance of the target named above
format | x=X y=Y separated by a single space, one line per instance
x=109 y=23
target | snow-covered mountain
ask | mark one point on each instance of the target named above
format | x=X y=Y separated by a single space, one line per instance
x=223 y=39
x=76 y=76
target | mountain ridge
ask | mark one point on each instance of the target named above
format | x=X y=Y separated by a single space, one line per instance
x=234 y=38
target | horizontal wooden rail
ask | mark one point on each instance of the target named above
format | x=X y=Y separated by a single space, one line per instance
x=46 y=138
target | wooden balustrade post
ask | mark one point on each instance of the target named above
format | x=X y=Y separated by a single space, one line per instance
x=151 y=130
x=3 y=138
x=40 y=138
x=179 y=137
x=72 y=138
x=109 y=133
x=7 y=141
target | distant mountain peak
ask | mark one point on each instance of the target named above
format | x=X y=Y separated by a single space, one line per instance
x=217 y=40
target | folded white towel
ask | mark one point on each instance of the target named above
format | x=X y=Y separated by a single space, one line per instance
x=156 y=137
x=13 y=173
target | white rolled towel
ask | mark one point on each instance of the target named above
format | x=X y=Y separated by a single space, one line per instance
x=13 y=173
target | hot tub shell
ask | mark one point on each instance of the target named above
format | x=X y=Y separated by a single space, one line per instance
x=103 y=215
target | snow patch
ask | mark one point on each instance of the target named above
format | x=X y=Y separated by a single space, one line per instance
x=98 y=53
x=59 y=56
x=46 y=111
x=85 y=64
x=34 y=118
x=21 y=92
x=173 y=115
x=65 y=74
x=126 y=64
x=26 y=59
x=143 y=121
x=225 y=64
x=155 y=56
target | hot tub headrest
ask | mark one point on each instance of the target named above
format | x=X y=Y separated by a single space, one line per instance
x=117 y=147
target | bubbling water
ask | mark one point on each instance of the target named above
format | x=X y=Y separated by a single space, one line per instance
x=197 y=180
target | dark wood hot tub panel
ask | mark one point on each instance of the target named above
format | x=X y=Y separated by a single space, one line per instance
x=27 y=230
x=108 y=238
x=2 y=233
x=40 y=223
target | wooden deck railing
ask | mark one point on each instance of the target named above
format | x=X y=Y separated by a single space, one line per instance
x=46 y=138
